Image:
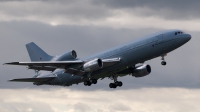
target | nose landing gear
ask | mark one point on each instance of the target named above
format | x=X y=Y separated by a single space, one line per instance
x=163 y=60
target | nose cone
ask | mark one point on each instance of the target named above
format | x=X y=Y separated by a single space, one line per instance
x=182 y=39
x=186 y=37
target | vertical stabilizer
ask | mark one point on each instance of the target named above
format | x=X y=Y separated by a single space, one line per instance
x=36 y=53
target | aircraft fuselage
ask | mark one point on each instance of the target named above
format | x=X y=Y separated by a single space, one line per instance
x=130 y=54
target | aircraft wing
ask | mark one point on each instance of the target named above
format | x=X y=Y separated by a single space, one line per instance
x=58 y=64
x=50 y=68
x=41 y=79
x=69 y=66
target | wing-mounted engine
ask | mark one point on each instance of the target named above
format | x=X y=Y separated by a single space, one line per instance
x=142 y=71
x=93 y=65
x=67 y=56
x=139 y=71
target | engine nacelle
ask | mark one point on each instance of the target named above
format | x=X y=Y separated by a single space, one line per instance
x=142 y=71
x=93 y=65
x=67 y=56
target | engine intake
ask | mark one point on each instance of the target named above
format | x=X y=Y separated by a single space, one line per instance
x=67 y=56
x=142 y=71
x=93 y=65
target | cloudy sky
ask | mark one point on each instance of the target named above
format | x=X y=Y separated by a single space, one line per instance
x=90 y=26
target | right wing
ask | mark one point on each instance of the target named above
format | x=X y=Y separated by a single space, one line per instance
x=58 y=64
x=72 y=67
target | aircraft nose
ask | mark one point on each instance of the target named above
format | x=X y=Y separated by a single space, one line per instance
x=186 y=37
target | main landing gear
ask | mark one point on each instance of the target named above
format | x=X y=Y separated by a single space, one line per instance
x=163 y=60
x=116 y=83
x=90 y=82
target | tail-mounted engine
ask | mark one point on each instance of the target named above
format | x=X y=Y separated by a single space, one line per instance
x=67 y=56
x=93 y=65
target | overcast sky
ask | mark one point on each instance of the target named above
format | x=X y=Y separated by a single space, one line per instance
x=91 y=26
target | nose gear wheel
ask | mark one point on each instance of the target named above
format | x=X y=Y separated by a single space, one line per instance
x=163 y=60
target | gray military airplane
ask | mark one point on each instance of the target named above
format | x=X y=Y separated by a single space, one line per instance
x=66 y=69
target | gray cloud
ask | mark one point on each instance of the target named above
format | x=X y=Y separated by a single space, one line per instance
x=132 y=15
x=120 y=107
x=95 y=9
x=24 y=107
x=73 y=10
x=167 y=9
x=81 y=107
x=138 y=100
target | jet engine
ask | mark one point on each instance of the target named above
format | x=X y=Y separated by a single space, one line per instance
x=93 y=65
x=67 y=56
x=141 y=71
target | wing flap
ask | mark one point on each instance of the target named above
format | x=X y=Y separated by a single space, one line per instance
x=46 y=68
x=41 y=79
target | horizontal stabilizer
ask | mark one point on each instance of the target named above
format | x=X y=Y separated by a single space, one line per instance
x=41 y=79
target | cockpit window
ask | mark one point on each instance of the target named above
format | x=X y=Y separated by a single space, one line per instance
x=180 y=32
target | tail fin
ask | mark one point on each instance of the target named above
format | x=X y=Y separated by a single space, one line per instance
x=36 y=53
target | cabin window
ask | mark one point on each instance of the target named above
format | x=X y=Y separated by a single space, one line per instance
x=175 y=33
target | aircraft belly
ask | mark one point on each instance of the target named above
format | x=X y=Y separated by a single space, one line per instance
x=68 y=79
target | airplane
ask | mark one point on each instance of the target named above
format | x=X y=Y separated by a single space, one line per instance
x=128 y=59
